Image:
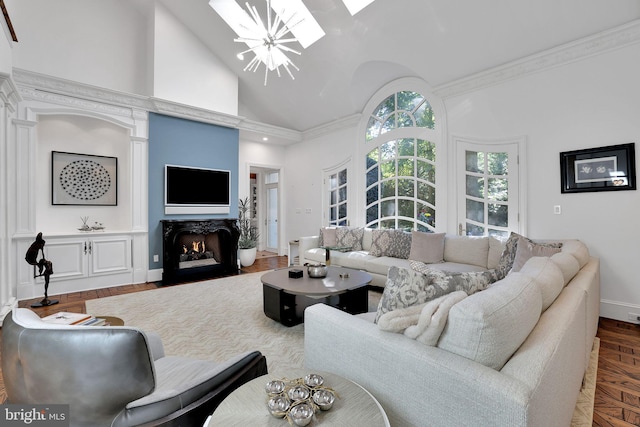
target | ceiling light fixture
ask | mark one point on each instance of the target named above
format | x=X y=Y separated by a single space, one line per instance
x=267 y=42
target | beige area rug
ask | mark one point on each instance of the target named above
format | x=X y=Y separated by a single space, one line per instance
x=217 y=319
x=212 y=320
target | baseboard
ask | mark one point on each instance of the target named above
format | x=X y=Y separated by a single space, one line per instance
x=619 y=311
x=154 y=275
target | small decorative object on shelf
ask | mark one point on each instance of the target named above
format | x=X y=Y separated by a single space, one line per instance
x=85 y=226
x=299 y=399
x=97 y=226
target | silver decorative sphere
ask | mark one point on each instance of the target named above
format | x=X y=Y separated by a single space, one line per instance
x=313 y=380
x=299 y=392
x=324 y=399
x=278 y=406
x=275 y=387
x=301 y=414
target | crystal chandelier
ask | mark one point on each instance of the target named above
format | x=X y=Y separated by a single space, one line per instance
x=268 y=42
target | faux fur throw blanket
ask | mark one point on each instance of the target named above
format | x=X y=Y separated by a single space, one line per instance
x=422 y=322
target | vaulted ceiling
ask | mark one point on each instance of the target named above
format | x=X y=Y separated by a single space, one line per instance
x=438 y=41
x=435 y=40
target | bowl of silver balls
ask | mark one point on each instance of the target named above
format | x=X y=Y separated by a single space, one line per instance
x=298 y=400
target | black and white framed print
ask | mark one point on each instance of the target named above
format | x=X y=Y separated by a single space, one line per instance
x=611 y=168
x=83 y=179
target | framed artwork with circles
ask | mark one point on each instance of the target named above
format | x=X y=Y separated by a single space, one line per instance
x=83 y=179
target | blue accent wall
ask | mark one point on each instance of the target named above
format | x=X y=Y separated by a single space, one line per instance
x=186 y=143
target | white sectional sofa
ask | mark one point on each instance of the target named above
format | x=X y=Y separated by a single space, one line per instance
x=461 y=254
x=511 y=355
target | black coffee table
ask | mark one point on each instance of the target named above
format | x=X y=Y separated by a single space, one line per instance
x=285 y=298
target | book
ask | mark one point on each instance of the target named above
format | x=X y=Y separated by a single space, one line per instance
x=94 y=321
x=66 y=318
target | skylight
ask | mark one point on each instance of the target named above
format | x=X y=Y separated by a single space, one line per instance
x=356 y=6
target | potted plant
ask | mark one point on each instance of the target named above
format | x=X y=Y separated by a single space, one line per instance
x=248 y=242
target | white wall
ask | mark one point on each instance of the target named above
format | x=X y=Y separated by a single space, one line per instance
x=84 y=135
x=185 y=71
x=589 y=103
x=6 y=60
x=75 y=40
x=306 y=162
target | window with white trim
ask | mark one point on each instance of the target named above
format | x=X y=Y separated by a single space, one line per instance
x=401 y=164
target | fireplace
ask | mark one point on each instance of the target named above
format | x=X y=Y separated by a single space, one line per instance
x=198 y=249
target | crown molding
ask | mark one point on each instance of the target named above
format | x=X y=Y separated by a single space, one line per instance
x=40 y=87
x=57 y=85
x=175 y=109
x=9 y=92
x=336 y=125
x=276 y=132
x=605 y=41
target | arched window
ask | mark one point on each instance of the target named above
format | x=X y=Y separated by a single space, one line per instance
x=401 y=163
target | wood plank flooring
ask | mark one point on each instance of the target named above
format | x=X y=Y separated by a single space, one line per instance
x=617 y=399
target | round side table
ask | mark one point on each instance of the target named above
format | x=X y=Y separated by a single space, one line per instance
x=247 y=405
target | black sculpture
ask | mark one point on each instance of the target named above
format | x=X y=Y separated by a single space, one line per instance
x=45 y=268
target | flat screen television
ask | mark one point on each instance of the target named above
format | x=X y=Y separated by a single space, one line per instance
x=194 y=190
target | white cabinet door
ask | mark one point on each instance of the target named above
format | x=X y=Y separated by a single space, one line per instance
x=69 y=257
x=110 y=255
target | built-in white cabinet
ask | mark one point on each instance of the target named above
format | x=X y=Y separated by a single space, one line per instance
x=80 y=262
x=88 y=256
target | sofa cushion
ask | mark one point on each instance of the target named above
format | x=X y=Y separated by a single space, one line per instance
x=467 y=250
x=350 y=237
x=393 y=243
x=328 y=236
x=567 y=264
x=548 y=276
x=427 y=247
x=407 y=287
x=489 y=326
x=527 y=249
x=579 y=251
x=381 y=265
x=358 y=260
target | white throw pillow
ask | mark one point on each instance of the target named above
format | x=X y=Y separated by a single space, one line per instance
x=427 y=247
x=467 y=250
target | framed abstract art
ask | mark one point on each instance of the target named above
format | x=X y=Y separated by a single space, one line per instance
x=83 y=179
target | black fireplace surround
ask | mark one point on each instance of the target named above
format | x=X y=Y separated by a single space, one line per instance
x=220 y=236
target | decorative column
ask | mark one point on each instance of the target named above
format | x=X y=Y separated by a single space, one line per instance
x=9 y=99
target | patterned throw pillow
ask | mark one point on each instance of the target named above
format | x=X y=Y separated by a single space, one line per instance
x=509 y=253
x=406 y=287
x=381 y=242
x=348 y=237
x=393 y=243
x=401 y=246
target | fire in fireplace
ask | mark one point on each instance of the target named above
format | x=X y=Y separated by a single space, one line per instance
x=194 y=252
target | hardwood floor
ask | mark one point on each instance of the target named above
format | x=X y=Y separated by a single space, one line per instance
x=617 y=399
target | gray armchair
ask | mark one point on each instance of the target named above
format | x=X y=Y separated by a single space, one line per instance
x=114 y=376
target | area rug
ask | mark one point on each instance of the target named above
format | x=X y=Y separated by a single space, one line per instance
x=217 y=319
x=212 y=320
